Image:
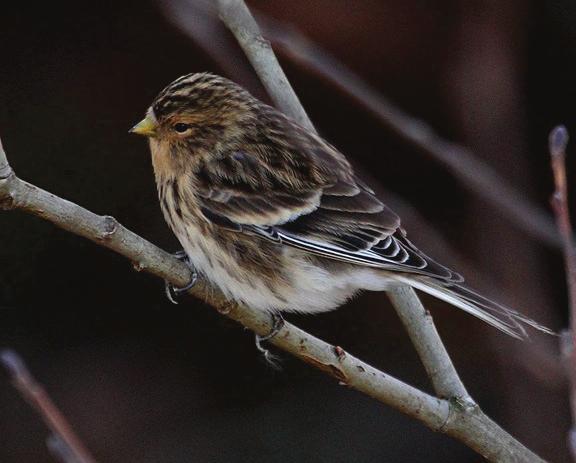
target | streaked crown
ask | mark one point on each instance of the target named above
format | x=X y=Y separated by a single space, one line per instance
x=197 y=92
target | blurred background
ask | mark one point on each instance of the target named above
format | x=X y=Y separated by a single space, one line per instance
x=143 y=380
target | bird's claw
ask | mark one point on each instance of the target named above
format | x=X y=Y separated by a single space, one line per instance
x=172 y=293
x=277 y=324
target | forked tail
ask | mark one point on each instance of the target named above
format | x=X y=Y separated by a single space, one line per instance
x=505 y=319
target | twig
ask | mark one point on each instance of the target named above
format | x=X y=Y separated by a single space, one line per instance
x=557 y=146
x=238 y=19
x=426 y=340
x=63 y=442
x=465 y=423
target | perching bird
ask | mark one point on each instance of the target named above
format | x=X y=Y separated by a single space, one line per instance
x=274 y=216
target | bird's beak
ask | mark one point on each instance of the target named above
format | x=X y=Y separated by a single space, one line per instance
x=146 y=127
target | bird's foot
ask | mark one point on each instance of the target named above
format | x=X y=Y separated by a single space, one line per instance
x=172 y=293
x=271 y=359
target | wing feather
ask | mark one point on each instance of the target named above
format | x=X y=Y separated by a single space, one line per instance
x=300 y=191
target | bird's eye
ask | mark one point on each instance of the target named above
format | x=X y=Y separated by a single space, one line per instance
x=180 y=127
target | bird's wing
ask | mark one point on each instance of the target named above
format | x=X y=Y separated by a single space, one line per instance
x=301 y=192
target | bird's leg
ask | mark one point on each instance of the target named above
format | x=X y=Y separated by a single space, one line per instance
x=171 y=292
x=277 y=324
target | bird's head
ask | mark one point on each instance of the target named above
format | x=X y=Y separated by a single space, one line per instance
x=195 y=112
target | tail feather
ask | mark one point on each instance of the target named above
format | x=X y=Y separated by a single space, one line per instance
x=499 y=316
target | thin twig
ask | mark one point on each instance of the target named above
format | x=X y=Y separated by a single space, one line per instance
x=557 y=146
x=63 y=442
x=238 y=19
x=426 y=340
x=467 y=424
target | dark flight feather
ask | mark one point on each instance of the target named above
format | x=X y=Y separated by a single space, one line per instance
x=327 y=212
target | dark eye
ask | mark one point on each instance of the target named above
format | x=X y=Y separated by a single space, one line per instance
x=180 y=127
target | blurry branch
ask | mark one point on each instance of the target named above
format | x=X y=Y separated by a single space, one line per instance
x=62 y=442
x=473 y=173
x=455 y=417
x=557 y=147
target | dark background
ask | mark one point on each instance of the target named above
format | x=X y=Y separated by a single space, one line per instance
x=144 y=380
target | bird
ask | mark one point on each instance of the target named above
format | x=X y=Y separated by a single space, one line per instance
x=276 y=217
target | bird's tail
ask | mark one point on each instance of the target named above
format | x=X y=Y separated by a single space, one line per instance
x=505 y=319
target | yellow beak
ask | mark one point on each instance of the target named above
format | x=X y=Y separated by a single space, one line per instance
x=146 y=127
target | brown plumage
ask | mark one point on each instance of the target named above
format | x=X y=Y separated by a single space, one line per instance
x=274 y=215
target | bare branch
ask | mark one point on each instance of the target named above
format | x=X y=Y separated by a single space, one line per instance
x=238 y=19
x=63 y=442
x=426 y=340
x=557 y=145
x=453 y=417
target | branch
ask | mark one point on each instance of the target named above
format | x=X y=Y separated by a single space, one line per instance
x=63 y=442
x=426 y=340
x=238 y=19
x=557 y=146
x=453 y=417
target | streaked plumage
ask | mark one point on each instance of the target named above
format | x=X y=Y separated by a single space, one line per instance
x=274 y=216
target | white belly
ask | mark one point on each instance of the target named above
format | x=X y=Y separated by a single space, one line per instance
x=310 y=289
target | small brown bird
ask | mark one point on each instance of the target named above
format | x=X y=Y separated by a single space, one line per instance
x=274 y=216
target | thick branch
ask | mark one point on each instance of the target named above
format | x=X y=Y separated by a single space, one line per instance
x=459 y=420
